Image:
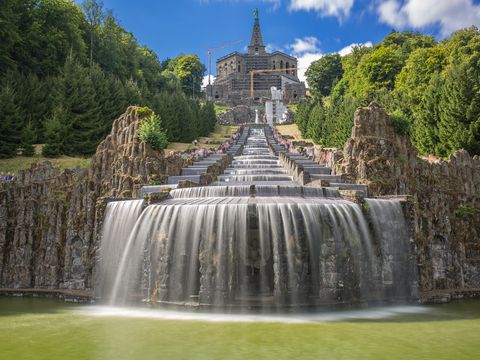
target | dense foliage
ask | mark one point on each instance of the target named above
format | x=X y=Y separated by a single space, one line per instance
x=67 y=71
x=430 y=89
x=151 y=132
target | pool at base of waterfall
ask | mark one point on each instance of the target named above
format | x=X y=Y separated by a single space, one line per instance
x=33 y=328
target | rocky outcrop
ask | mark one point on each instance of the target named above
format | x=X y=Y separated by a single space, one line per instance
x=445 y=193
x=239 y=114
x=48 y=218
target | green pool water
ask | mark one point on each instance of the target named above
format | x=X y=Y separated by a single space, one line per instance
x=46 y=329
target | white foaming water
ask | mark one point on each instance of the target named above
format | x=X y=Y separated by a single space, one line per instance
x=265 y=246
x=120 y=218
x=379 y=313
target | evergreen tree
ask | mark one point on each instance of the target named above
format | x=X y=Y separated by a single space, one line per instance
x=55 y=133
x=110 y=96
x=425 y=129
x=459 y=125
x=302 y=116
x=10 y=124
x=207 y=118
x=316 y=124
x=76 y=95
x=28 y=139
x=35 y=102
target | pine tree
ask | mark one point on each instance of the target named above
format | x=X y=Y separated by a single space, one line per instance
x=460 y=110
x=76 y=95
x=34 y=102
x=55 y=133
x=164 y=106
x=28 y=139
x=302 y=116
x=110 y=95
x=207 y=118
x=133 y=94
x=10 y=123
x=316 y=125
x=425 y=129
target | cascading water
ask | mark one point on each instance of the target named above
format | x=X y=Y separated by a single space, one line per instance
x=391 y=231
x=120 y=219
x=255 y=240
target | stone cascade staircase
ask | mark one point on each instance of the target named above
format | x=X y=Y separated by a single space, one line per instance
x=256 y=165
x=317 y=174
x=199 y=168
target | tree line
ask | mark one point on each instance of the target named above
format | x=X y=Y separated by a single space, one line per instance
x=67 y=71
x=431 y=90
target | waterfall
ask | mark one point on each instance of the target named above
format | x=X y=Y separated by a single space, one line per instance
x=256 y=239
x=211 y=191
x=120 y=218
x=391 y=232
x=247 y=251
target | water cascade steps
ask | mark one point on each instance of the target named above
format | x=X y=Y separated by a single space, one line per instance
x=255 y=238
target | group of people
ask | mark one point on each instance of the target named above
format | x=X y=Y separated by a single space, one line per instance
x=7 y=177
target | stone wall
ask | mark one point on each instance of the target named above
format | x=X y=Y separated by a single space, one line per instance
x=445 y=194
x=239 y=115
x=47 y=217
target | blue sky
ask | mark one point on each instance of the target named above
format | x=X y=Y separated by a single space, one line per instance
x=304 y=28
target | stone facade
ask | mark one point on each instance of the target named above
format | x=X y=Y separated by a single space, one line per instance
x=445 y=195
x=232 y=83
x=48 y=218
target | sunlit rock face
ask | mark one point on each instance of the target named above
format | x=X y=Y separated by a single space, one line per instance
x=445 y=195
x=48 y=218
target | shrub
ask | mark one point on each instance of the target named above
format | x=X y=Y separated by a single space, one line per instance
x=151 y=132
x=400 y=122
x=144 y=111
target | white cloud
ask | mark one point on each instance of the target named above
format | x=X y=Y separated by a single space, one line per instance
x=269 y=48
x=304 y=62
x=307 y=44
x=338 y=8
x=306 y=51
x=205 y=80
x=450 y=15
x=348 y=49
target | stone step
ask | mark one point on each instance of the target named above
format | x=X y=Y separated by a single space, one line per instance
x=331 y=178
x=194 y=171
x=177 y=179
x=206 y=162
x=318 y=170
x=151 y=189
x=348 y=186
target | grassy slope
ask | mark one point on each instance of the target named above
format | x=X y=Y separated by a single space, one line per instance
x=22 y=162
x=220 y=134
x=291 y=130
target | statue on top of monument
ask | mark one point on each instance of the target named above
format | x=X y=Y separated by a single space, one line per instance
x=255 y=13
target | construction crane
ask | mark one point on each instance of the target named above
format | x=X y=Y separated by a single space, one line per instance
x=253 y=72
x=209 y=52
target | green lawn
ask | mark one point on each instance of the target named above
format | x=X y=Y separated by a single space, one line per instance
x=21 y=162
x=219 y=135
x=63 y=334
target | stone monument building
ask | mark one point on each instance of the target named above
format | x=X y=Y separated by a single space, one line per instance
x=232 y=84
